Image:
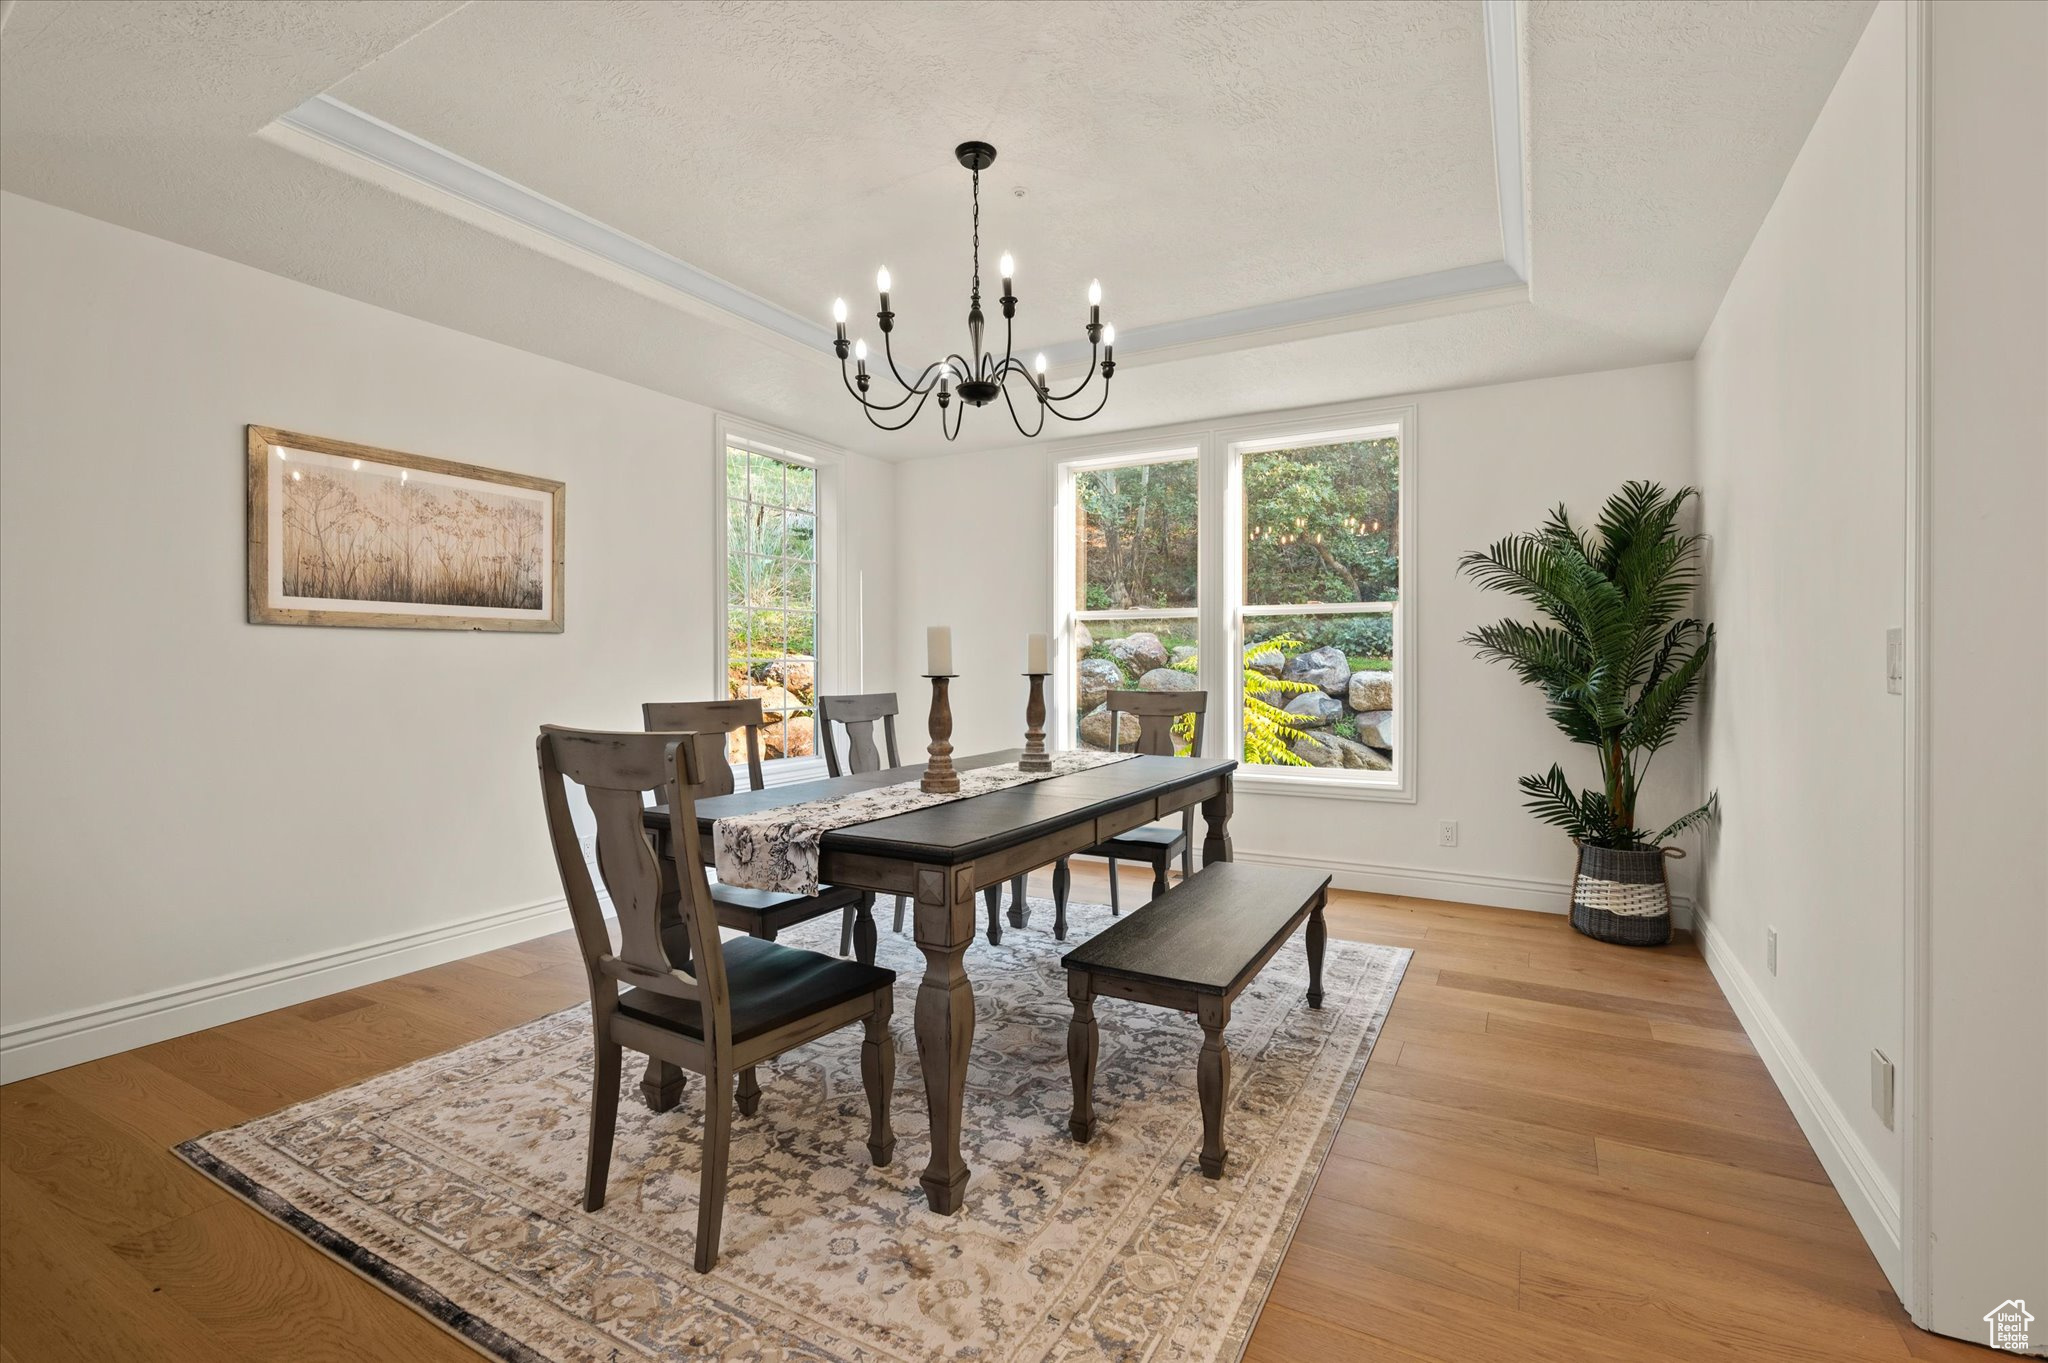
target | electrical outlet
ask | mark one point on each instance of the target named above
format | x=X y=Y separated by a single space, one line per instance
x=1447 y=833
x=589 y=846
x=1771 y=950
x=1882 y=1082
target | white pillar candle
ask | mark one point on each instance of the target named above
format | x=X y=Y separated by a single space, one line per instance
x=1038 y=654
x=938 y=651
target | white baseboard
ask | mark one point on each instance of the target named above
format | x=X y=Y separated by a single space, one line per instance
x=1466 y=887
x=51 y=1043
x=1872 y=1201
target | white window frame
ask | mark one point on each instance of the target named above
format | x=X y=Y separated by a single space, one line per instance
x=1220 y=588
x=1066 y=586
x=836 y=650
x=1232 y=445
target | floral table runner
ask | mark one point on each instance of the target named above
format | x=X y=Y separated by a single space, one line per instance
x=777 y=849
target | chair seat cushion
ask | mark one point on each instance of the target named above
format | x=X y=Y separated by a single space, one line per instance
x=1151 y=840
x=769 y=985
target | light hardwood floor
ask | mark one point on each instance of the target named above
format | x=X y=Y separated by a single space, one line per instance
x=1560 y=1151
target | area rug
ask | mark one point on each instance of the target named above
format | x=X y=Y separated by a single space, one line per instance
x=456 y=1183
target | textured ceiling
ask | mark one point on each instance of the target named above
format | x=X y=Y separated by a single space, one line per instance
x=1269 y=152
x=1195 y=157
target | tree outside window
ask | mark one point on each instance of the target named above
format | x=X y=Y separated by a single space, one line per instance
x=1321 y=556
x=771 y=598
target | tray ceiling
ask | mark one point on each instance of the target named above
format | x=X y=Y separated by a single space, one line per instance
x=1265 y=191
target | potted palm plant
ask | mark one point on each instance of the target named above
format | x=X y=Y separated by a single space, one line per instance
x=1620 y=669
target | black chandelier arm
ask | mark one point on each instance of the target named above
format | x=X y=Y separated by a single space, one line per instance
x=862 y=398
x=869 y=411
x=1087 y=377
x=959 y=418
x=889 y=353
x=1084 y=416
x=1017 y=421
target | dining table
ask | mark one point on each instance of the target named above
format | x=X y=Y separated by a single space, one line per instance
x=943 y=855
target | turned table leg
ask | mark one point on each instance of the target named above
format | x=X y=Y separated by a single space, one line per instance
x=945 y=1023
x=1216 y=812
x=661 y=1086
x=1212 y=1081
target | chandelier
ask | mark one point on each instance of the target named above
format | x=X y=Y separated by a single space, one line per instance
x=977 y=378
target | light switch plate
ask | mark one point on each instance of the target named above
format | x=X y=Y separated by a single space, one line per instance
x=1883 y=1083
x=1895 y=661
x=1771 y=950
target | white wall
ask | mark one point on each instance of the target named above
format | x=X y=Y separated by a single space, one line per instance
x=1987 y=683
x=199 y=811
x=1484 y=461
x=1802 y=441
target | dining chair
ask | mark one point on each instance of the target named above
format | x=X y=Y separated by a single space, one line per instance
x=758 y=913
x=857 y=716
x=690 y=999
x=1157 y=845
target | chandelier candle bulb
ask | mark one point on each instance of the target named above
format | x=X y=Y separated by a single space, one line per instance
x=938 y=651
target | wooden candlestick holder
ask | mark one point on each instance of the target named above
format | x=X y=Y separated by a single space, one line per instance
x=939 y=776
x=1035 y=757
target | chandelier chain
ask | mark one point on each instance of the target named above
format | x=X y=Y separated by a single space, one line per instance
x=977 y=237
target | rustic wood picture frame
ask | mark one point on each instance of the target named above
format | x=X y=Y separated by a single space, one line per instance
x=266 y=598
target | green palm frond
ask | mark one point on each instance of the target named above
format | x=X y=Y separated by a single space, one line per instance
x=1619 y=667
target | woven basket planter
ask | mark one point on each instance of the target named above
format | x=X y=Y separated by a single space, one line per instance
x=1621 y=896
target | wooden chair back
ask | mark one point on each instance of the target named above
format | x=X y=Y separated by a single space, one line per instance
x=712 y=721
x=616 y=772
x=858 y=716
x=1158 y=712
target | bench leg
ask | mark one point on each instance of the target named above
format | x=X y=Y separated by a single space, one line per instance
x=1212 y=1081
x=901 y=904
x=992 y=897
x=1062 y=881
x=1318 y=933
x=1081 y=1046
x=1019 y=905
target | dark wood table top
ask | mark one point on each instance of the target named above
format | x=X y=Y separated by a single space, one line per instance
x=964 y=830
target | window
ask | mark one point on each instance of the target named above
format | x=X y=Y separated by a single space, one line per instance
x=1292 y=616
x=1316 y=603
x=1133 y=610
x=771 y=593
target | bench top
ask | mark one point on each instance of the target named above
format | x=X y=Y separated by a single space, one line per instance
x=1208 y=933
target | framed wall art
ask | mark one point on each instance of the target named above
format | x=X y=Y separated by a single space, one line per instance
x=343 y=534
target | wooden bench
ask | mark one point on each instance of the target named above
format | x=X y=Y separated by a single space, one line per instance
x=1194 y=948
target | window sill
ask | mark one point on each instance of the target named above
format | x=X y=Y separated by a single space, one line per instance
x=1249 y=782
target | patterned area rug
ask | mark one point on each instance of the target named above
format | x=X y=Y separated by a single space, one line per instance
x=456 y=1183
